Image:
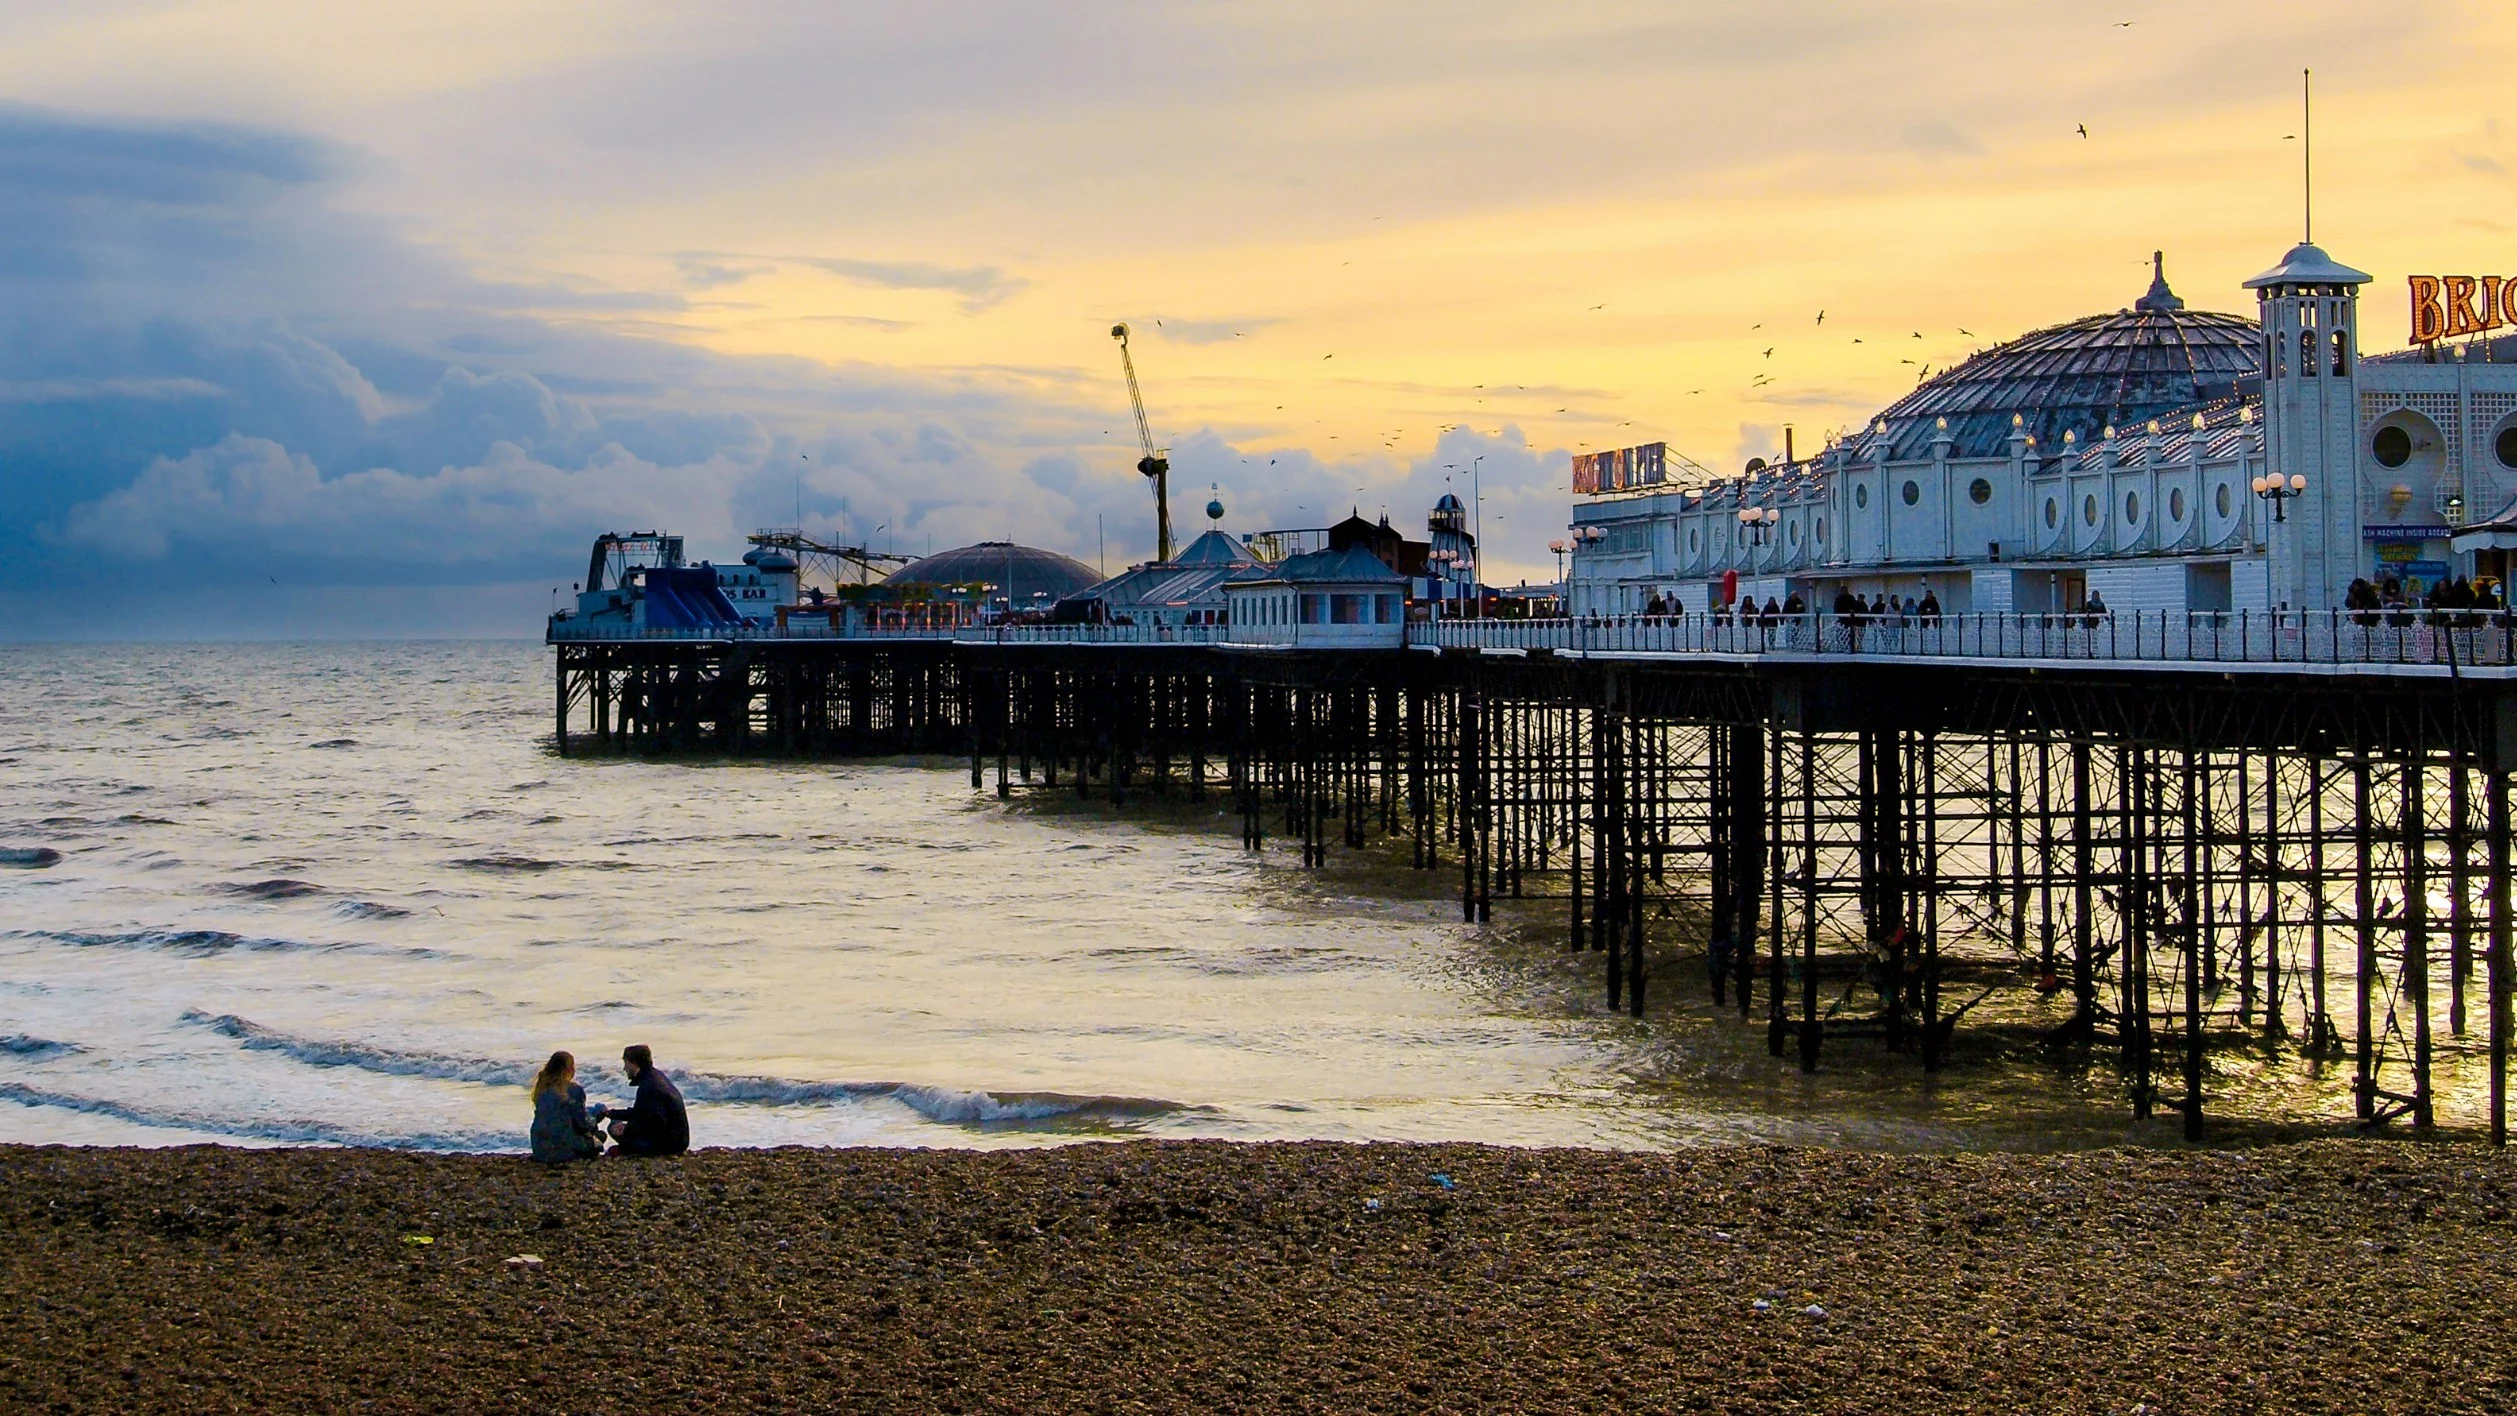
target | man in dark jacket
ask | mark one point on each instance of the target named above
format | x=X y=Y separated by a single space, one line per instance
x=656 y=1124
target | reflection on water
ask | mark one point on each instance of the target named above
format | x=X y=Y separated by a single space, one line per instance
x=341 y=893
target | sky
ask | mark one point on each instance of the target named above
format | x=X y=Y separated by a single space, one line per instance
x=363 y=319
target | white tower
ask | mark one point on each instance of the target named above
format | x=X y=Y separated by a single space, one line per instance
x=2311 y=357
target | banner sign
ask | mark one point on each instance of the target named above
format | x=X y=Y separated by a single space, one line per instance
x=2406 y=533
x=2453 y=306
x=1621 y=470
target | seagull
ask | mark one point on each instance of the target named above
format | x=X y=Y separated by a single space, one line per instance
x=1857 y=339
x=1602 y=305
x=1769 y=353
x=1905 y=361
x=1822 y=317
x=1918 y=334
x=2125 y=24
x=1328 y=356
x=2084 y=130
x=1967 y=332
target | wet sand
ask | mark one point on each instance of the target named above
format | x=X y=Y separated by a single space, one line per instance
x=2337 y=1276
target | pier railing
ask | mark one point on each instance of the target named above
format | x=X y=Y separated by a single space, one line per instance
x=2451 y=638
x=569 y=631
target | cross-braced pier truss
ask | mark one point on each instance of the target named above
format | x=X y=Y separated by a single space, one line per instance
x=2159 y=866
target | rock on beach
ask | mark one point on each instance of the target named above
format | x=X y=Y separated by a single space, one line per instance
x=2333 y=1276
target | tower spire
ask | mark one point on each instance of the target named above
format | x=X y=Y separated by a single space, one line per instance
x=2307 y=156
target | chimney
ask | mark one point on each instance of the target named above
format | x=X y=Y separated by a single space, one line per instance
x=1787 y=444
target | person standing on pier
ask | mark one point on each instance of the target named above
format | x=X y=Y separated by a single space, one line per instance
x=657 y=1123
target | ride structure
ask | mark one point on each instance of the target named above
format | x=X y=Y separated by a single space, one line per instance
x=1156 y=462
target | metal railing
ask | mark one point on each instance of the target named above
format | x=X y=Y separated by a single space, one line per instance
x=1095 y=634
x=2454 y=638
x=573 y=631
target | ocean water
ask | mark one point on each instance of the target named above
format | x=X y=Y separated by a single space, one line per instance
x=345 y=894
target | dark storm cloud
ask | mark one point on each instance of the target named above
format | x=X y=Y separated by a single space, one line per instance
x=206 y=369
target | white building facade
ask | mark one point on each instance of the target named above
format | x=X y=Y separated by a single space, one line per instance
x=2116 y=455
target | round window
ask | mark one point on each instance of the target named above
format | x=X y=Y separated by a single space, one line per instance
x=1695 y=541
x=2220 y=499
x=2392 y=447
x=2052 y=513
x=1818 y=532
x=1979 y=491
x=2176 y=504
x=2504 y=447
x=2132 y=506
x=1912 y=492
x=2088 y=508
x=1861 y=496
x=1795 y=533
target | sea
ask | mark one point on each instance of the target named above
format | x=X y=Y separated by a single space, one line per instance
x=347 y=894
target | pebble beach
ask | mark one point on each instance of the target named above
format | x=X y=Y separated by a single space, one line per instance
x=2329 y=1276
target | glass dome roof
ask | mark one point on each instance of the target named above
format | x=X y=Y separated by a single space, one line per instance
x=1036 y=576
x=2121 y=369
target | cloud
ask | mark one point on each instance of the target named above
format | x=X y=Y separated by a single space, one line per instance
x=979 y=286
x=1211 y=331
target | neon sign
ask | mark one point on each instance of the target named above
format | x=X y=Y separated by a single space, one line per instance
x=2453 y=306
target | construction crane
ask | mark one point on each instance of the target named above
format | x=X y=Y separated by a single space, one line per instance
x=1156 y=463
x=813 y=555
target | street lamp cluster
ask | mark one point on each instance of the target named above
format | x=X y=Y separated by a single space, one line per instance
x=2278 y=492
x=1755 y=522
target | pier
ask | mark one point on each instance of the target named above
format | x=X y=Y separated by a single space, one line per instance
x=2156 y=840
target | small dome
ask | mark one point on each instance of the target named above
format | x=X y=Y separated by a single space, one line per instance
x=1214 y=511
x=1448 y=503
x=769 y=559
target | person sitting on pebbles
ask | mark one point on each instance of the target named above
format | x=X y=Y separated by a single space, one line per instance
x=562 y=1131
x=656 y=1124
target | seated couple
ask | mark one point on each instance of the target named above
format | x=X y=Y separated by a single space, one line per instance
x=565 y=1129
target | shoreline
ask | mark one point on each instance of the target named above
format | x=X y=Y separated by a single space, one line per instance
x=2359 y=1276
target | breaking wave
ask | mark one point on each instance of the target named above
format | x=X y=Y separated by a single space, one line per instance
x=207 y=943
x=36 y=1049
x=291 y=1131
x=369 y=909
x=33 y=857
x=270 y=889
x=946 y=1106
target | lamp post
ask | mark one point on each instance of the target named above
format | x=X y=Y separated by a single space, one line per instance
x=2273 y=489
x=1584 y=538
x=1757 y=521
x=1559 y=546
x=1441 y=561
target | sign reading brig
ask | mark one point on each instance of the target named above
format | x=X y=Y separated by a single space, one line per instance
x=2453 y=306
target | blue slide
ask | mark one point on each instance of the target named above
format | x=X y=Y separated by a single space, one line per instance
x=687 y=597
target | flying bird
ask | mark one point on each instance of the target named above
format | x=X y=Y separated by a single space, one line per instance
x=1822 y=317
x=1857 y=339
x=1918 y=334
x=1905 y=361
x=1602 y=305
x=1328 y=356
x=2084 y=130
x=1769 y=353
x=1968 y=333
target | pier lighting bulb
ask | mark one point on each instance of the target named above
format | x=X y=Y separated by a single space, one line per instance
x=2260 y=483
x=1747 y=515
x=2246 y=415
x=2017 y=420
x=2197 y=422
x=2110 y=432
x=2070 y=437
x=2297 y=482
x=2154 y=425
x=1941 y=424
x=1773 y=514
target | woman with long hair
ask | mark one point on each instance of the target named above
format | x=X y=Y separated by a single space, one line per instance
x=561 y=1129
